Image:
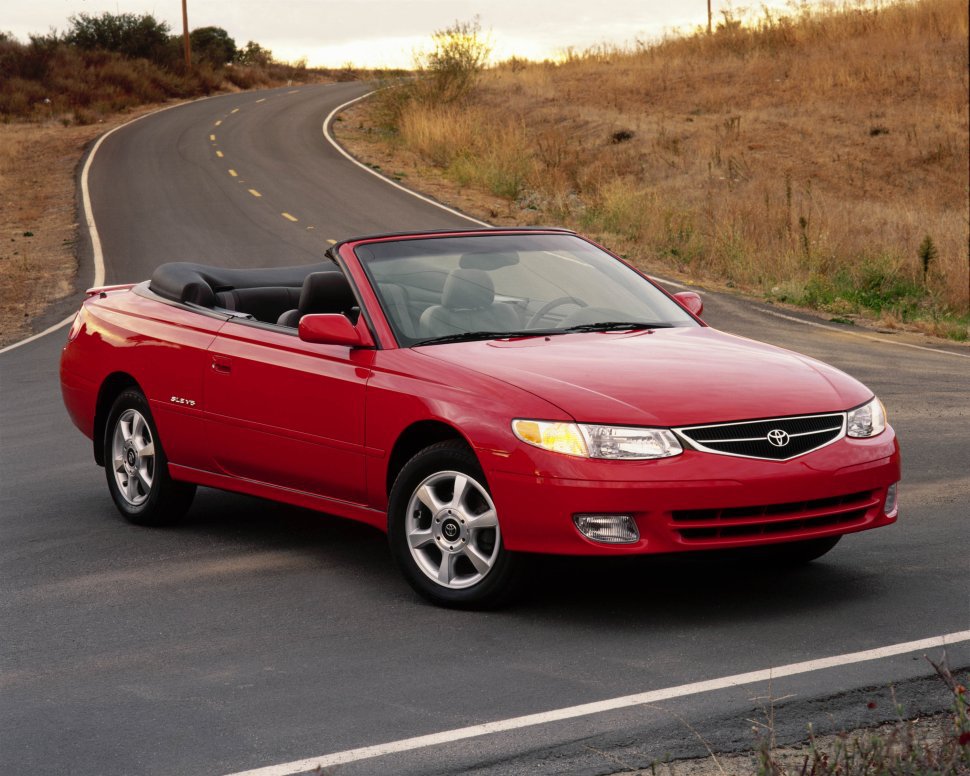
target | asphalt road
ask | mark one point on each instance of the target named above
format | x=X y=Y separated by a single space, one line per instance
x=258 y=634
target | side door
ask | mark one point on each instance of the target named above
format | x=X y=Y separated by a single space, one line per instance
x=286 y=412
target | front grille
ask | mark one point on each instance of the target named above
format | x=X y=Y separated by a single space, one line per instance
x=775 y=520
x=778 y=439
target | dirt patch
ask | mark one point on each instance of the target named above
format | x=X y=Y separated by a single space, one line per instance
x=38 y=217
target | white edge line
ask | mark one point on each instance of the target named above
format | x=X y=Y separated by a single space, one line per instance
x=89 y=217
x=571 y=712
x=38 y=335
x=395 y=184
x=667 y=282
x=864 y=336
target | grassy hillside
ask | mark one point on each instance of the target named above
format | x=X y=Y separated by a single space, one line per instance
x=49 y=78
x=820 y=159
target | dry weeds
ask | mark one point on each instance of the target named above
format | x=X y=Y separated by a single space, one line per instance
x=803 y=158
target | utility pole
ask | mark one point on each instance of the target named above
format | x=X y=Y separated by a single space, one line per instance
x=188 y=46
x=708 y=15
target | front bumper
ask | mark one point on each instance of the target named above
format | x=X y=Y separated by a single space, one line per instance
x=695 y=501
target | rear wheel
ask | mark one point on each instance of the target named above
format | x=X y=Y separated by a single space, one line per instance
x=136 y=467
x=444 y=530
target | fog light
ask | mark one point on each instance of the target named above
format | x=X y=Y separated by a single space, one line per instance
x=891 y=500
x=608 y=529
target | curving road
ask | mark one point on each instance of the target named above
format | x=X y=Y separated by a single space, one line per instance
x=258 y=634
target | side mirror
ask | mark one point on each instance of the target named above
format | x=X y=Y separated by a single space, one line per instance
x=691 y=301
x=331 y=329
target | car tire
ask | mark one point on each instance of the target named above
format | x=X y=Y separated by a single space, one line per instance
x=136 y=466
x=444 y=531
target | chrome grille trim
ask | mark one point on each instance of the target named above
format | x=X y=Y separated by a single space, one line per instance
x=839 y=420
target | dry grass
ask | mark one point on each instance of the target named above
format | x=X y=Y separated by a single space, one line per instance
x=804 y=158
x=937 y=745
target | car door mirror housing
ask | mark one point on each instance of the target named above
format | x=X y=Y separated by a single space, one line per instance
x=691 y=301
x=332 y=329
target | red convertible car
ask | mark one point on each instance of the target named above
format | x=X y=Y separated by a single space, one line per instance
x=479 y=395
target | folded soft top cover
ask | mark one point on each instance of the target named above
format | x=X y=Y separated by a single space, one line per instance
x=183 y=281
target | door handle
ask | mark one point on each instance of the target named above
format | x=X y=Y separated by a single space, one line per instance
x=222 y=364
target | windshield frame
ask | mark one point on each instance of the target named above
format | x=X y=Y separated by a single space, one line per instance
x=603 y=261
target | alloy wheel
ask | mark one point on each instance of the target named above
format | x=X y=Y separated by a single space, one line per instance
x=133 y=457
x=452 y=529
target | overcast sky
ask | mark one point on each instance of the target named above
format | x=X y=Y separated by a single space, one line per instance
x=385 y=32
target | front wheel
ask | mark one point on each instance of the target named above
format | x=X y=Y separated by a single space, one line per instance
x=444 y=530
x=136 y=467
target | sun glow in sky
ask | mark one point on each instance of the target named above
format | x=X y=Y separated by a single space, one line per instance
x=385 y=33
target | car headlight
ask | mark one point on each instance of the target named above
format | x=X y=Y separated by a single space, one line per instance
x=627 y=443
x=867 y=420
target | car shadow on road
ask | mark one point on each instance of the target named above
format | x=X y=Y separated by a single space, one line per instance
x=671 y=589
x=663 y=589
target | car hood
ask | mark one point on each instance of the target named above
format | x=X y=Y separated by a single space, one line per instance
x=665 y=377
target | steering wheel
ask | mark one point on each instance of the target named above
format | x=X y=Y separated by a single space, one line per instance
x=552 y=305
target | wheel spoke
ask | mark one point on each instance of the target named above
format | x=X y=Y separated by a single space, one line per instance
x=461 y=483
x=119 y=464
x=144 y=479
x=131 y=488
x=486 y=519
x=146 y=450
x=419 y=539
x=446 y=571
x=426 y=496
x=137 y=428
x=125 y=428
x=479 y=561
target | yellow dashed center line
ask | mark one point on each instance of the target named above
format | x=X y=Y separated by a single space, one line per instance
x=234 y=174
x=288 y=217
x=219 y=154
x=234 y=110
x=262 y=100
x=255 y=193
x=212 y=138
x=218 y=122
x=332 y=242
x=295 y=91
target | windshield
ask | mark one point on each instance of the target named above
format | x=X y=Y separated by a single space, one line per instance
x=445 y=289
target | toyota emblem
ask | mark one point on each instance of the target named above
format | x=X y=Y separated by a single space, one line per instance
x=778 y=438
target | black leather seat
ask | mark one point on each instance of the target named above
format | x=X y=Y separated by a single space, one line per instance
x=322 y=292
x=264 y=304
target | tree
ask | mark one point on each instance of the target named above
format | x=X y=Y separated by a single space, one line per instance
x=458 y=55
x=213 y=45
x=254 y=54
x=127 y=33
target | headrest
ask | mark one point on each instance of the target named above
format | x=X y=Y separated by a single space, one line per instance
x=488 y=260
x=326 y=292
x=468 y=289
